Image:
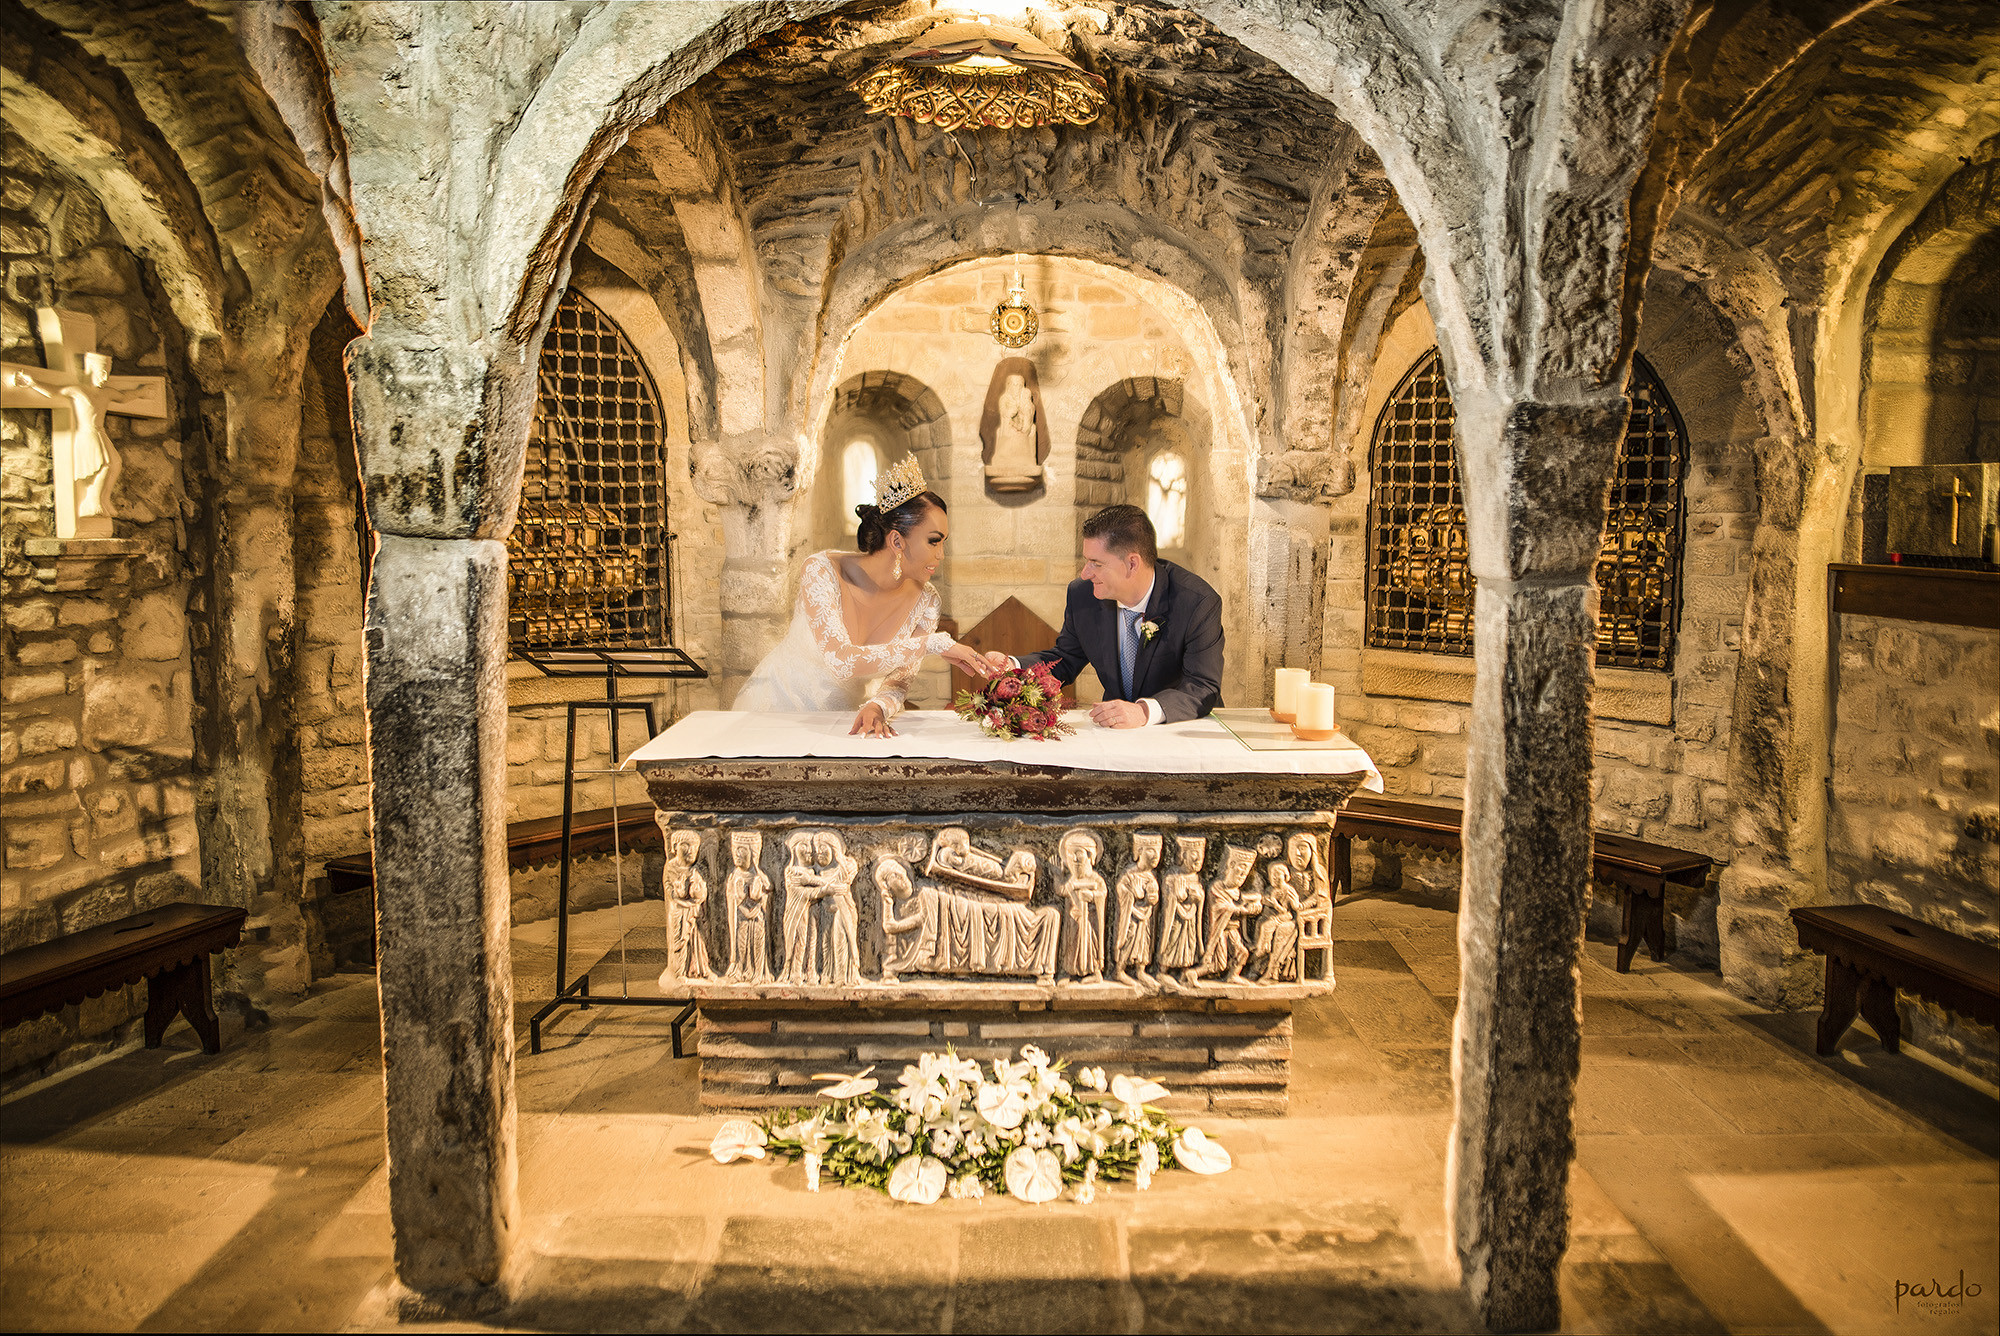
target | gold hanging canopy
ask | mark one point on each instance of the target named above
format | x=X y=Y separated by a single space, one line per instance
x=975 y=74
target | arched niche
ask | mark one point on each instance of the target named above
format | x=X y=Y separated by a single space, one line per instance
x=889 y=413
x=1129 y=428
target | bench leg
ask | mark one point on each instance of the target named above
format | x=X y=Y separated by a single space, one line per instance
x=1653 y=912
x=1843 y=990
x=1628 y=930
x=1878 y=1008
x=183 y=990
x=1343 y=866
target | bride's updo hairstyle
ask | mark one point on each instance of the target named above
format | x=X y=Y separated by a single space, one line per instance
x=877 y=522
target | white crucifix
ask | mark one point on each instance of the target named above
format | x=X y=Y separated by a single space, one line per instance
x=78 y=389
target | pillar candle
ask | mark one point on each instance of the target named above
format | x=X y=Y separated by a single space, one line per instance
x=1285 y=695
x=1316 y=708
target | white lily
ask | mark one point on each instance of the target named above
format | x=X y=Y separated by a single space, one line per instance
x=812 y=1172
x=871 y=1129
x=918 y=1179
x=1197 y=1153
x=847 y=1087
x=1034 y=1176
x=738 y=1139
x=1033 y=1056
x=1149 y=1163
x=1092 y=1077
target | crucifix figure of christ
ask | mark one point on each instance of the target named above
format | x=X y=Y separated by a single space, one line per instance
x=79 y=390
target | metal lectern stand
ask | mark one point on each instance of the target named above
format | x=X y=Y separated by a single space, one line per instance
x=614 y=664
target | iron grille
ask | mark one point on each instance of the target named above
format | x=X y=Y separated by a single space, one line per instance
x=588 y=561
x=1419 y=583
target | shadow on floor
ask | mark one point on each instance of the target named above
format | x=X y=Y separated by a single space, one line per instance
x=1915 y=1087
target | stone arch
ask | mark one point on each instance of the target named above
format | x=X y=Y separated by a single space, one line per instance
x=1918 y=405
x=902 y=416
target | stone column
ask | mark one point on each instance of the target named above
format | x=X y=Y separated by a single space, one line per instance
x=754 y=479
x=440 y=426
x=1536 y=481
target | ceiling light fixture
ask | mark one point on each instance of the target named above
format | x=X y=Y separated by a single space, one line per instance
x=981 y=75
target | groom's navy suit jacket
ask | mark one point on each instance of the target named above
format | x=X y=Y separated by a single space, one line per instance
x=1180 y=667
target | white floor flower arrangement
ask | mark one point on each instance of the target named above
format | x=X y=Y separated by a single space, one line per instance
x=949 y=1129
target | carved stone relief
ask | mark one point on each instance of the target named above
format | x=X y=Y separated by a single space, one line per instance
x=855 y=905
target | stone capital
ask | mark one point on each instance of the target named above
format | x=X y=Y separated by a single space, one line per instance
x=440 y=426
x=746 y=469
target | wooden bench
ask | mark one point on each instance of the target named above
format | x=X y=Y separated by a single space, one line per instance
x=1871 y=952
x=168 y=947
x=528 y=843
x=1640 y=870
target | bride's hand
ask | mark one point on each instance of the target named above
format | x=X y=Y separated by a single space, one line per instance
x=968 y=659
x=872 y=722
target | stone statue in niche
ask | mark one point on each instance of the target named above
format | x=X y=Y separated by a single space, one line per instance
x=747 y=892
x=840 y=926
x=1138 y=896
x=1230 y=902
x=1013 y=428
x=954 y=858
x=1083 y=954
x=687 y=897
x=931 y=929
x=1180 y=911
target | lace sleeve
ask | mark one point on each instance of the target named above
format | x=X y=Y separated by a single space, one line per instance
x=819 y=593
x=895 y=688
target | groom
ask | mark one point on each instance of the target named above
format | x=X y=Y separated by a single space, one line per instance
x=1153 y=630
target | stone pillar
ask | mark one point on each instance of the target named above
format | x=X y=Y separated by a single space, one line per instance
x=441 y=428
x=1537 y=477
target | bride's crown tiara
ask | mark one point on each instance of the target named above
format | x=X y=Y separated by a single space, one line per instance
x=899 y=484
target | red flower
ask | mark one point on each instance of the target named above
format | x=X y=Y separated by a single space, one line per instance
x=1006 y=688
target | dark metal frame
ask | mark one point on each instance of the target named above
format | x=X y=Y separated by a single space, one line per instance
x=613 y=664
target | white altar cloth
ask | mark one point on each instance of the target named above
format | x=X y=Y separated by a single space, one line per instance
x=1196 y=747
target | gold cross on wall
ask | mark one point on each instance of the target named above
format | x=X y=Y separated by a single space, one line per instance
x=1957 y=493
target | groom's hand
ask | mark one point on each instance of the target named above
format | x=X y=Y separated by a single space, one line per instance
x=999 y=660
x=1119 y=714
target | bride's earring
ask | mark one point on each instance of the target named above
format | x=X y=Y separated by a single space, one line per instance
x=897 y=572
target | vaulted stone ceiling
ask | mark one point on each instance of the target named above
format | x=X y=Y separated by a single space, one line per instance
x=1210 y=166
x=1872 y=117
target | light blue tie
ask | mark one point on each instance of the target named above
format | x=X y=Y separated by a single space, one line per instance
x=1128 y=648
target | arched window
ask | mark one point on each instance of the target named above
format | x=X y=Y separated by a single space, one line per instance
x=587 y=562
x=1166 y=498
x=1419 y=584
x=860 y=463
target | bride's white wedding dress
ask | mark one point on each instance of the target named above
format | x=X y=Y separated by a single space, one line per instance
x=816 y=667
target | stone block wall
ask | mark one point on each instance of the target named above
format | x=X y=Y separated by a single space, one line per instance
x=1662 y=753
x=97 y=790
x=1914 y=824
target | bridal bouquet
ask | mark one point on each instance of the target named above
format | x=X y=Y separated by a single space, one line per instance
x=1017 y=703
x=949 y=1129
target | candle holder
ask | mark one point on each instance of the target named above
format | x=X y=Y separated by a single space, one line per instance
x=1283 y=718
x=1314 y=734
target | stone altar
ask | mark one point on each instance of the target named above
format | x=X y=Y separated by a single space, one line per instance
x=1163 y=924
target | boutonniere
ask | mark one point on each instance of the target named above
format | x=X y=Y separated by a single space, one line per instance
x=1147 y=630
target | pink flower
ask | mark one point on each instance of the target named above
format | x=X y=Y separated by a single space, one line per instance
x=1006 y=688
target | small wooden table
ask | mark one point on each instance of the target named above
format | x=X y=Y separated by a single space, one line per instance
x=1871 y=952
x=168 y=947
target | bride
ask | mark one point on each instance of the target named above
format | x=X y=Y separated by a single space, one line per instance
x=866 y=616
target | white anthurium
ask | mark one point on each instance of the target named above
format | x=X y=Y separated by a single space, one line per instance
x=1133 y=1091
x=738 y=1139
x=1196 y=1152
x=1034 y=1176
x=918 y=1179
x=848 y=1086
x=1002 y=1107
